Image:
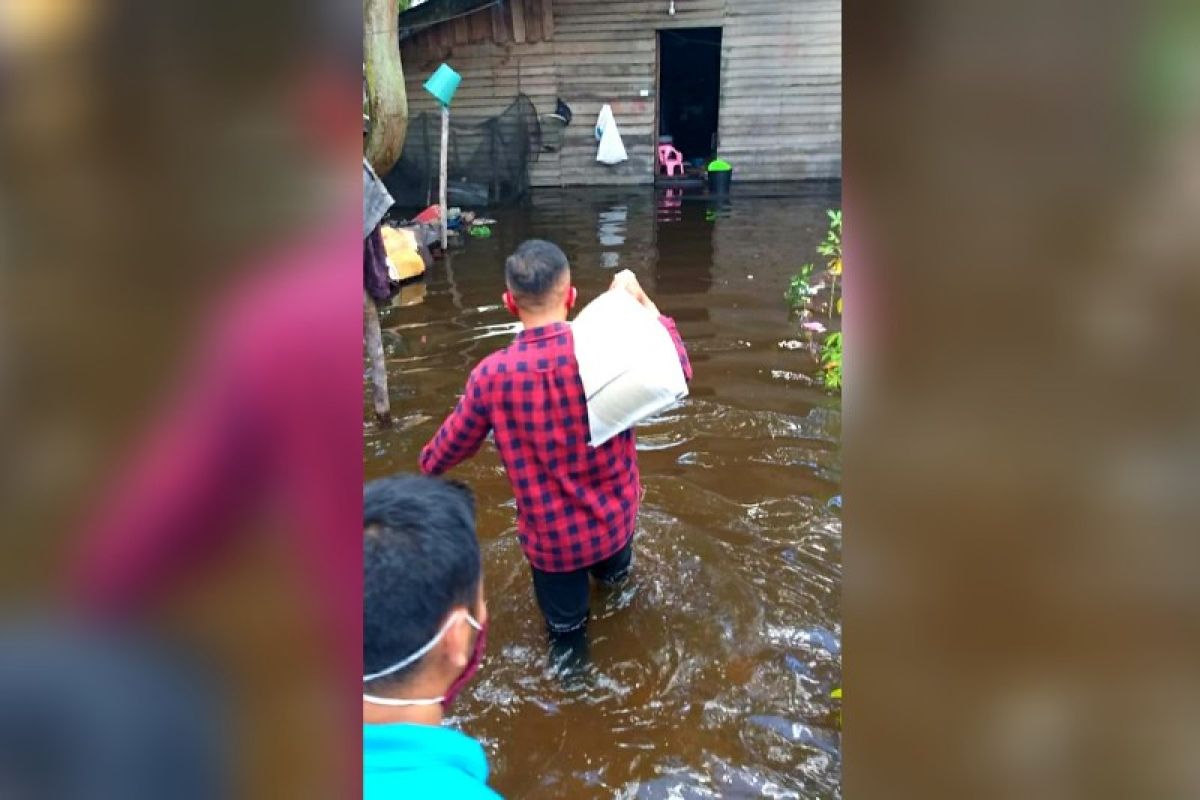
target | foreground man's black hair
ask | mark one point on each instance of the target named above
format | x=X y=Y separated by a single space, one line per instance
x=420 y=559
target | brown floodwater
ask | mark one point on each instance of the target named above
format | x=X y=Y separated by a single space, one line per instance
x=711 y=669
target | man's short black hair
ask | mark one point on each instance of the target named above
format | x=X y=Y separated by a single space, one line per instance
x=534 y=268
x=420 y=559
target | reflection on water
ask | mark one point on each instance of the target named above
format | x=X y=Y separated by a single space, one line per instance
x=670 y=205
x=410 y=294
x=711 y=669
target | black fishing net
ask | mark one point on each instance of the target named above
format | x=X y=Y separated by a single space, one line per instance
x=488 y=164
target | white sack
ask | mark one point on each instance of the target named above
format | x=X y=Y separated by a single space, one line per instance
x=611 y=149
x=627 y=362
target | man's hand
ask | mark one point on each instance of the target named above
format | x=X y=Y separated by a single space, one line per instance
x=627 y=281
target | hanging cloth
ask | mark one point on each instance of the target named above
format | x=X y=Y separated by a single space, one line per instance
x=375 y=266
x=376 y=200
x=563 y=110
x=611 y=149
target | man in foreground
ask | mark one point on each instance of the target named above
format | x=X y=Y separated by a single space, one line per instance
x=424 y=632
x=576 y=505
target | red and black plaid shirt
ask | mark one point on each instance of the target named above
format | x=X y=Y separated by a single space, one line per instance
x=576 y=505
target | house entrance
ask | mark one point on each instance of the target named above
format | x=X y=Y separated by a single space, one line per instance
x=689 y=91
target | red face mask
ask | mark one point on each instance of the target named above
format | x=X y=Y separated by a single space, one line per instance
x=472 y=666
x=464 y=677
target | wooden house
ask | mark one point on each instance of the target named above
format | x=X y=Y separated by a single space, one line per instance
x=757 y=82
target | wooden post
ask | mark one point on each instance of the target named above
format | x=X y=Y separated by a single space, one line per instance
x=374 y=336
x=495 y=189
x=445 y=163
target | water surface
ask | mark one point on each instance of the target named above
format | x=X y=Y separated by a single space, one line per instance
x=711 y=670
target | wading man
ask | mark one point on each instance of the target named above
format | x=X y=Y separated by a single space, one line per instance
x=577 y=505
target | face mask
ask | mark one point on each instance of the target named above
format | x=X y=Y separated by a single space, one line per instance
x=472 y=666
x=459 y=683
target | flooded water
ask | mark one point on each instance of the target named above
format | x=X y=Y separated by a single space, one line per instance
x=712 y=668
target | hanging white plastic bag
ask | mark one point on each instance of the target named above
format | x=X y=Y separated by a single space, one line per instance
x=604 y=120
x=627 y=362
x=611 y=149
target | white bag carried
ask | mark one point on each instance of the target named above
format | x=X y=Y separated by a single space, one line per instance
x=627 y=362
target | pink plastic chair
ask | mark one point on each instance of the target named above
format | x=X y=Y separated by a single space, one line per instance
x=670 y=159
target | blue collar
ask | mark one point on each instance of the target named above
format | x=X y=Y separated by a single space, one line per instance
x=405 y=746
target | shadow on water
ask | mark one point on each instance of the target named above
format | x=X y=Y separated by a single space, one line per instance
x=711 y=669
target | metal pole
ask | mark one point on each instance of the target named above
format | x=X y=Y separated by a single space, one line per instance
x=445 y=163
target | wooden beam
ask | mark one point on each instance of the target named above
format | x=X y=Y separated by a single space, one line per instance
x=480 y=27
x=518 y=20
x=533 y=21
x=547 y=20
x=499 y=24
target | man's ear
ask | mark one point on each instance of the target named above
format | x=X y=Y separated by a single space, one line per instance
x=457 y=641
x=481 y=605
x=510 y=303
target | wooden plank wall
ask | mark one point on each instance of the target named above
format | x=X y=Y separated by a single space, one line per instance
x=780 y=115
x=607 y=53
x=499 y=52
x=781 y=89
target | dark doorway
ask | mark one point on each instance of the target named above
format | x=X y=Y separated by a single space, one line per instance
x=689 y=90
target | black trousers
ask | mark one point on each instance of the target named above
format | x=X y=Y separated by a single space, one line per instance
x=564 y=596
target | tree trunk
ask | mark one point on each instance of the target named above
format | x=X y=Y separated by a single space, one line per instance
x=387 y=106
x=387 y=100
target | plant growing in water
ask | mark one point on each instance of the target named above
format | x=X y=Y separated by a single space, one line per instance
x=799 y=289
x=831 y=248
x=831 y=361
x=802 y=291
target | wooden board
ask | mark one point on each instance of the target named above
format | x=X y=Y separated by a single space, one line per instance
x=533 y=19
x=547 y=19
x=499 y=14
x=480 y=27
x=517 y=9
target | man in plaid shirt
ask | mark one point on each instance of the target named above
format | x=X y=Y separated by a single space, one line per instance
x=576 y=505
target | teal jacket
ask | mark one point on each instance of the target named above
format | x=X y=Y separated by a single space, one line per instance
x=403 y=762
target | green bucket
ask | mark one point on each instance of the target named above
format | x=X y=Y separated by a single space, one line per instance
x=443 y=83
